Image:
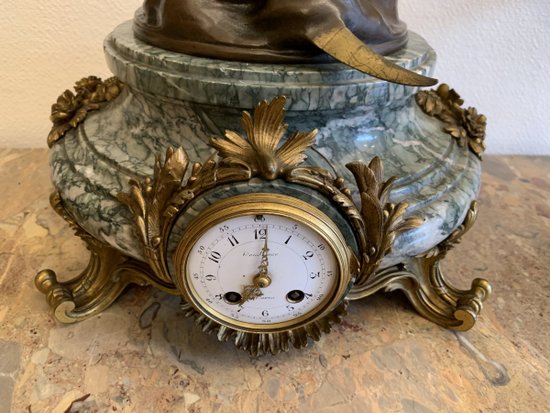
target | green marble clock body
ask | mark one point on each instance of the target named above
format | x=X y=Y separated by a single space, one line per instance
x=110 y=182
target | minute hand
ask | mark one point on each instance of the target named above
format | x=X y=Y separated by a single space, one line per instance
x=263 y=280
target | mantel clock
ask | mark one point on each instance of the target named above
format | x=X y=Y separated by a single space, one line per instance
x=181 y=172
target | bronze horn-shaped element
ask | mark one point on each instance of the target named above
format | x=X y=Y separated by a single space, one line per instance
x=282 y=31
x=344 y=46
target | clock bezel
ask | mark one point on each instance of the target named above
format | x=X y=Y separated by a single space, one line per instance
x=266 y=204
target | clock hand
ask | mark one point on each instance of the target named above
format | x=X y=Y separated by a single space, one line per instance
x=249 y=293
x=261 y=280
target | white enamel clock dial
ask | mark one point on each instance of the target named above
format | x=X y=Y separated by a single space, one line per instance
x=263 y=265
x=227 y=258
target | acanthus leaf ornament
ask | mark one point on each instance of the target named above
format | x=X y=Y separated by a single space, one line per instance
x=260 y=150
x=71 y=108
x=382 y=220
x=423 y=282
x=467 y=126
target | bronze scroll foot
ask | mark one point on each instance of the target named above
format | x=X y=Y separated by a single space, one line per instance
x=424 y=285
x=108 y=273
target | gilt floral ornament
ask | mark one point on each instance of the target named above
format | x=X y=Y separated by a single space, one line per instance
x=467 y=126
x=72 y=108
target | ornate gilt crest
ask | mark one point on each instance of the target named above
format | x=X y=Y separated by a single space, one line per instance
x=260 y=151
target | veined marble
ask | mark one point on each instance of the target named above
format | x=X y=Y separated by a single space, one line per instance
x=177 y=100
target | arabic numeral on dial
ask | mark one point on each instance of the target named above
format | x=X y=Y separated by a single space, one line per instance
x=215 y=256
x=308 y=296
x=196 y=276
x=330 y=273
x=314 y=275
x=210 y=277
x=209 y=301
x=290 y=307
x=259 y=218
x=200 y=250
x=308 y=255
x=320 y=297
x=224 y=228
x=321 y=247
x=219 y=297
x=265 y=313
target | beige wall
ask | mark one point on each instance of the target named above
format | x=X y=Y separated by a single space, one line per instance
x=496 y=53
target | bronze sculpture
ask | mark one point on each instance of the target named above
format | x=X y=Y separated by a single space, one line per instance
x=281 y=31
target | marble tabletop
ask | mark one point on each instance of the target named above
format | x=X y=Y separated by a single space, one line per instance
x=142 y=355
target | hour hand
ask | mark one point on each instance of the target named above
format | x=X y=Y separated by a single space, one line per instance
x=261 y=280
x=250 y=292
x=253 y=291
